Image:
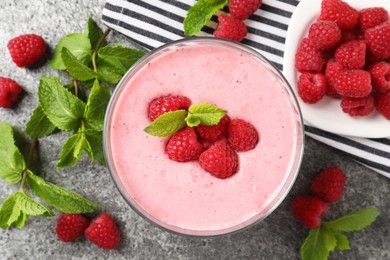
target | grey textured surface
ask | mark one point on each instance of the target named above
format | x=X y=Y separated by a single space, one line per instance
x=279 y=236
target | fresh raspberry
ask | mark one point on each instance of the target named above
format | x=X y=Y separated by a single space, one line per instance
x=215 y=132
x=312 y=87
x=382 y=104
x=329 y=184
x=26 y=49
x=71 y=226
x=160 y=105
x=103 y=232
x=352 y=55
x=242 y=9
x=332 y=69
x=353 y=83
x=378 y=40
x=308 y=57
x=309 y=210
x=324 y=34
x=371 y=17
x=340 y=12
x=357 y=106
x=230 y=28
x=380 y=76
x=219 y=160
x=183 y=145
x=10 y=92
x=242 y=136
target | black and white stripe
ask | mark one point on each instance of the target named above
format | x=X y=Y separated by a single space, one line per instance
x=151 y=23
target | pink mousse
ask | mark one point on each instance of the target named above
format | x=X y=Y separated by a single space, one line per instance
x=183 y=195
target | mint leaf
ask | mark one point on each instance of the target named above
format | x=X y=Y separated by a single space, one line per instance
x=21 y=220
x=167 y=123
x=95 y=139
x=354 y=221
x=96 y=106
x=9 y=213
x=342 y=241
x=120 y=57
x=72 y=150
x=200 y=13
x=62 y=108
x=12 y=163
x=30 y=207
x=61 y=199
x=205 y=114
x=93 y=32
x=108 y=72
x=39 y=125
x=76 y=68
x=318 y=244
x=78 y=44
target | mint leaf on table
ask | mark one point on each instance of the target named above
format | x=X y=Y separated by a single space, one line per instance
x=318 y=244
x=342 y=241
x=12 y=163
x=62 y=108
x=39 y=125
x=200 y=13
x=78 y=44
x=30 y=206
x=205 y=114
x=10 y=213
x=167 y=123
x=76 y=68
x=72 y=150
x=59 y=198
x=107 y=72
x=120 y=57
x=354 y=221
x=93 y=32
x=95 y=139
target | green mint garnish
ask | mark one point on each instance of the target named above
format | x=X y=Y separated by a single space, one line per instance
x=73 y=149
x=75 y=67
x=120 y=57
x=167 y=123
x=108 y=72
x=205 y=114
x=93 y=33
x=200 y=13
x=39 y=125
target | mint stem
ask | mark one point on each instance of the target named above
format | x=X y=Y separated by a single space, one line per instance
x=33 y=146
x=97 y=48
x=76 y=87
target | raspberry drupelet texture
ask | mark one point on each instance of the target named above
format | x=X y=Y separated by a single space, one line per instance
x=380 y=76
x=71 y=226
x=352 y=55
x=308 y=57
x=309 y=210
x=329 y=184
x=230 y=28
x=312 y=87
x=103 y=232
x=242 y=135
x=242 y=9
x=371 y=17
x=215 y=132
x=353 y=83
x=10 y=92
x=339 y=12
x=357 y=106
x=25 y=50
x=378 y=40
x=160 y=105
x=324 y=34
x=184 y=146
x=382 y=104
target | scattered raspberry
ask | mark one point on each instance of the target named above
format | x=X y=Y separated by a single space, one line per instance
x=103 y=232
x=352 y=55
x=357 y=106
x=353 y=83
x=219 y=160
x=215 y=132
x=230 y=28
x=309 y=210
x=371 y=17
x=380 y=76
x=71 y=226
x=329 y=184
x=242 y=136
x=160 y=105
x=332 y=69
x=26 y=49
x=10 y=92
x=242 y=9
x=324 y=34
x=183 y=146
x=382 y=104
x=311 y=87
x=378 y=40
x=308 y=58
x=340 y=12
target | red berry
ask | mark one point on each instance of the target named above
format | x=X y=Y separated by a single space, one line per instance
x=332 y=69
x=160 y=105
x=26 y=49
x=309 y=210
x=324 y=34
x=371 y=17
x=357 y=106
x=219 y=160
x=312 y=87
x=215 y=132
x=352 y=55
x=230 y=28
x=242 y=136
x=382 y=104
x=71 y=226
x=10 y=92
x=378 y=40
x=242 y=9
x=308 y=57
x=329 y=184
x=380 y=76
x=103 y=232
x=340 y=12
x=353 y=83
x=183 y=145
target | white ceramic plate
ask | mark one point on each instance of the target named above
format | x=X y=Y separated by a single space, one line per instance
x=327 y=114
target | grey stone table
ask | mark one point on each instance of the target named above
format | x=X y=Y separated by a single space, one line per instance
x=279 y=236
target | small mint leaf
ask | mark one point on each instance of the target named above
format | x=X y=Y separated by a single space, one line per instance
x=122 y=58
x=200 y=13
x=192 y=120
x=108 y=72
x=342 y=241
x=76 y=68
x=207 y=114
x=30 y=207
x=167 y=123
x=318 y=244
x=95 y=139
x=72 y=150
x=93 y=32
x=39 y=125
x=10 y=213
x=354 y=221
x=21 y=220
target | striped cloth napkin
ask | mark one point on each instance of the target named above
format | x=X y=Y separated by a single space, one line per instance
x=151 y=23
